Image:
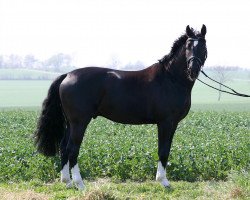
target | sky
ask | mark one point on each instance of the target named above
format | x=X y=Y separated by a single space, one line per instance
x=94 y=32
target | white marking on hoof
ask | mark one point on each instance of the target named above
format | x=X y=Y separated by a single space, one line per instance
x=77 y=179
x=65 y=176
x=165 y=183
x=161 y=175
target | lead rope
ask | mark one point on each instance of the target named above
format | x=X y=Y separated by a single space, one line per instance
x=233 y=93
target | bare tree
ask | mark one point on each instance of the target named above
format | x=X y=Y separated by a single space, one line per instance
x=14 y=61
x=222 y=75
x=134 y=66
x=1 y=62
x=29 y=61
x=59 y=62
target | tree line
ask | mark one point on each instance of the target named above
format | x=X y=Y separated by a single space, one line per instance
x=56 y=63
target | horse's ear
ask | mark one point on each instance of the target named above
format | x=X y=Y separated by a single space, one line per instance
x=189 y=32
x=203 y=30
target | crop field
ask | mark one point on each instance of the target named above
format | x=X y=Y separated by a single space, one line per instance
x=210 y=155
x=208 y=146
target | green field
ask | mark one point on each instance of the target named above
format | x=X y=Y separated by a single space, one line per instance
x=209 y=157
x=209 y=148
x=28 y=74
x=30 y=93
x=205 y=98
x=17 y=93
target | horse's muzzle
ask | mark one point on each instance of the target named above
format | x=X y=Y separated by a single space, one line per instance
x=194 y=68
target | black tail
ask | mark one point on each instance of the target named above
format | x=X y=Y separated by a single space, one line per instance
x=51 y=123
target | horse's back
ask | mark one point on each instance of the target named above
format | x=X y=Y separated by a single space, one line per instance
x=102 y=91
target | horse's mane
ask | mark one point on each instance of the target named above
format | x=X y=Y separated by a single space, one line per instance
x=176 y=45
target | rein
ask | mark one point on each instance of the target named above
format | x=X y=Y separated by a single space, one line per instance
x=200 y=63
x=233 y=91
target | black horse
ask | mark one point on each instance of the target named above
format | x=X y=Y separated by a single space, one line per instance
x=159 y=94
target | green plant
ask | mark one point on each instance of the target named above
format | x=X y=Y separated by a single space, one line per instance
x=207 y=146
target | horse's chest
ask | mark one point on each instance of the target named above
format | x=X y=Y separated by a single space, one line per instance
x=174 y=105
x=181 y=106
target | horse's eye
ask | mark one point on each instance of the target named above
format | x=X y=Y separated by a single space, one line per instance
x=189 y=45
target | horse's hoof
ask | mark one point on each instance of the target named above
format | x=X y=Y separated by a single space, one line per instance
x=165 y=183
x=79 y=185
x=65 y=180
x=69 y=184
x=167 y=186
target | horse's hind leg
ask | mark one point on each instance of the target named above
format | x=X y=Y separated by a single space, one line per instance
x=65 y=175
x=77 y=130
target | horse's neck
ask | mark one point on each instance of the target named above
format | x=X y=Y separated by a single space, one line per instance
x=177 y=70
x=153 y=71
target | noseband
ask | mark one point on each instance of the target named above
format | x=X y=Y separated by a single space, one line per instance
x=194 y=58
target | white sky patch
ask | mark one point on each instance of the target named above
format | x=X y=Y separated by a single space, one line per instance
x=94 y=30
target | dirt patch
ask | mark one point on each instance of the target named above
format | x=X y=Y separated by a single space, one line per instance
x=22 y=195
x=237 y=193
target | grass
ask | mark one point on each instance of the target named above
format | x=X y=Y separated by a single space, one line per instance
x=26 y=74
x=205 y=98
x=119 y=162
x=209 y=157
x=20 y=93
x=221 y=106
x=104 y=189
x=199 y=151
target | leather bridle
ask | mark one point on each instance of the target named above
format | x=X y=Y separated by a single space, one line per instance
x=191 y=58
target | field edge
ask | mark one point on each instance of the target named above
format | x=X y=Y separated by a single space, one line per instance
x=237 y=187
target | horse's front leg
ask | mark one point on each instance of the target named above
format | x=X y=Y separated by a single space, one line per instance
x=166 y=131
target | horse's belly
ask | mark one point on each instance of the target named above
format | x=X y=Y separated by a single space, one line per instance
x=129 y=120
x=126 y=114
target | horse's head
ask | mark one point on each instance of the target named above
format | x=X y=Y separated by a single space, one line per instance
x=196 y=51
